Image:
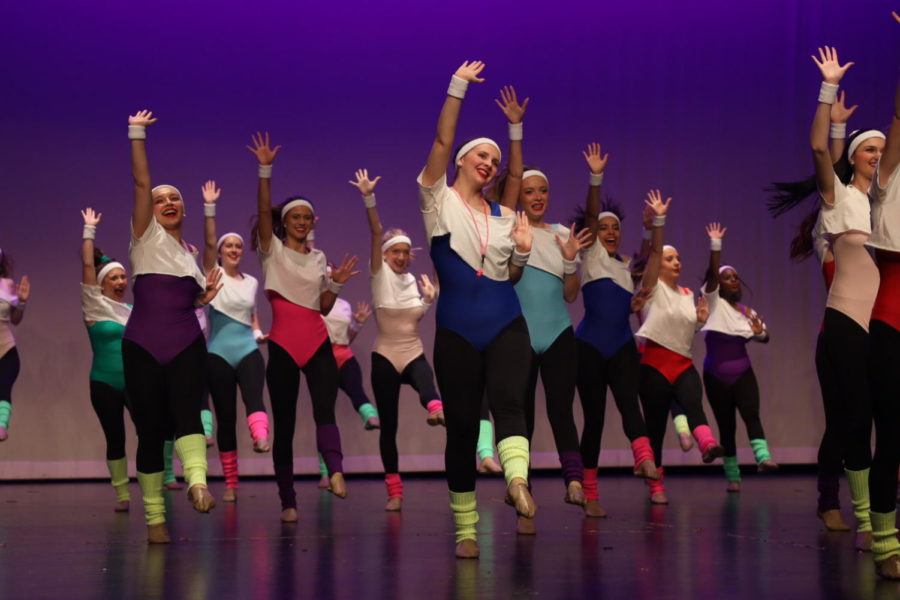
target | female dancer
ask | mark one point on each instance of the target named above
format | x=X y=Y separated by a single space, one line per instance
x=13 y=299
x=301 y=291
x=727 y=374
x=607 y=354
x=670 y=320
x=103 y=286
x=479 y=250
x=343 y=324
x=163 y=350
x=234 y=360
x=398 y=356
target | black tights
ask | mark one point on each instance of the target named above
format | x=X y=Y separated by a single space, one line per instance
x=350 y=380
x=830 y=458
x=386 y=384
x=9 y=371
x=110 y=404
x=724 y=398
x=558 y=368
x=223 y=381
x=464 y=374
x=885 y=358
x=657 y=395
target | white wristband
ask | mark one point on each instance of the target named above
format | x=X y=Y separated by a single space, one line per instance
x=715 y=244
x=515 y=132
x=457 y=87
x=265 y=171
x=596 y=179
x=838 y=131
x=569 y=267
x=334 y=287
x=209 y=210
x=648 y=234
x=137 y=132
x=828 y=93
x=519 y=259
x=369 y=200
x=89 y=232
x=258 y=334
x=659 y=220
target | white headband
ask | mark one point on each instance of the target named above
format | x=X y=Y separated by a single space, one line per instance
x=534 y=173
x=227 y=235
x=168 y=186
x=294 y=204
x=106 y=269
x=724 y=268
x=477 y=142
x=607 y=213
x=865 y=135
x=668 y=247
x=393 y=241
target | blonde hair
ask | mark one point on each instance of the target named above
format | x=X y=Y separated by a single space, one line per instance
x=397 y=231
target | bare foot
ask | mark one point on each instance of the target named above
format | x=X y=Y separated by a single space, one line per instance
x=518 y=495
x=158 y=534
x=201 y=499
x=122 y=506
x=467 y=549
x=230 y=495
x=593 y=509
x=659 y=498
x=575 y=494
x=372 y=423
x=733 y=487
x=489 y=465
x=767 y=466
x=393 y=504
x=289 y=515
x=686 y=441
x=337 y=485
x=436 y=419
x=261 y=445
x=173 y=485
x=833 y=519
x=525 y=526
x=647 y=470
x=324 y=482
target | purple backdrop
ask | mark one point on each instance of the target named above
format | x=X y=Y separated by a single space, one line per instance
x=708 y=101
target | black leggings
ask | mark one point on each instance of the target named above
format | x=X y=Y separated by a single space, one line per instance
x=830 y=458
x=886 y=410
x=742 y=395
x=846 y=347
x=464 y=375
x=165 y=399
x=386 y=384
x=9 y=371
x=558 y=368
x=657 y=395
x=110 y=404
x=621 y=372
x=223 y=381
x=350 y=380
x=283 y=379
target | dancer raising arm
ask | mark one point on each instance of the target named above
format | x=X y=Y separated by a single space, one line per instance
x=234 y=359
x=301 y=291
x=163 y=349
x=398 y=356
x=479 y=250
x=13 y=299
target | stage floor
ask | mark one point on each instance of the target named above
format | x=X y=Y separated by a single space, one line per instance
x=62 y=540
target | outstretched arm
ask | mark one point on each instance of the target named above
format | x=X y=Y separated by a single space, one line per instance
x=522 y=235
x=88 y=272
x=891 y=157
x=716 y=233
x=360 y=316
x=339 y=276
x=832 y=72
x=265 y=156
x=142 y=210
x=651 y=271
x=446 y=129
x=570 y=249
x=210 y=195
x=514 y=112
x=597 y=163
x=366 y=187
x=23 y=292
x=840 y=114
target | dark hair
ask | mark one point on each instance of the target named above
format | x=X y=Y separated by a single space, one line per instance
x=787 y=195
x=5 y=265
x=579 y=216
x=278 y=228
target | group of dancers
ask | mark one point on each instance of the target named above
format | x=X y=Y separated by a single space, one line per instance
x=502 y=277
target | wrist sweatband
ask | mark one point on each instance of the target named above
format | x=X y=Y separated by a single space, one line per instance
x=137 y=132
x=648 y=234
x=515 y=132
x=334 y=287
x=458 y=87
x=659 y=220
x=258 y=334
x=265 y=171
x=838 y=131
x=89 y=232
x=569 y=267
x=828 y=93
x=519 y=259
x=209 y=210
x=715 y=244
x=596 y=179
x=369 y=200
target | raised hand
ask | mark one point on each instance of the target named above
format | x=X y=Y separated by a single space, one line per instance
x=363 y=312
x=344 y=272
x=828 y=64
x=210 y=192
x=575 y=242
x=839 y=111
x=640 y=299
x=702 y=309
x=715 y=231
x=521 y=234
x=429 y=293
x=896 y=16
x=90 y=217
x=265 y=154
x=23 y=289
x=213 y=285
x=365 y=185
x=756 y=324
x=595 y=159
x=470 y=71
x=510 y=106
x=143 y=118
x=655 y=202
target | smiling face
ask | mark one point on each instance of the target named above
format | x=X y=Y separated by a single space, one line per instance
x=609 y=232
x=114 y=285
x=670 y=266
x=534 y=197
x=865 y=157
x=480 y=164
x=168 y=207
x=398 y=257
x=231 y=251
x=299 y=222
x=730 y=285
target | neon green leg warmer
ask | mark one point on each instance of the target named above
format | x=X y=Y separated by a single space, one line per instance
x=859 y=497
x=192 y=453
x=884 y=536
x=514 y=457
x=732 y=469
x=366 y=411
x=154 y=503
x=206 y=417
x=169 y=473
x=464 y=515
x=486 y=439
x=118 y=473
x=681 y=424
x=323 y=468
x=760 y=450
x=5 y=412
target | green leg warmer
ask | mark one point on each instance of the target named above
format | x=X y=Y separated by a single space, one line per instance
x=154 y=503
x=514 y=457
x=5 y=412
x=681 y=424
x=486 y=439
x=169 y=473
x=323 y=468
x=464 y=515
x=884 y=535
x=732 y=469
x=859 y=497
x=760 y=450
x=366 y=411
x=118 y=473
x=192 y=453
x=206 y=417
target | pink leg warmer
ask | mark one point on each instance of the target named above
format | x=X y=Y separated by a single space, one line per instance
x=258 y=423
x=229 y=468
x=434 y=406
x=590 y=484
x=641 y=450
x=703 y=435
x=658 y=486
x=394 y=485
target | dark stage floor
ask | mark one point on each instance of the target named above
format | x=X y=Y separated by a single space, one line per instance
x=62 y=540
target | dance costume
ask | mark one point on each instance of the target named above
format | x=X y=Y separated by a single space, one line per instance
x=342 y=330
x=9 y=355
